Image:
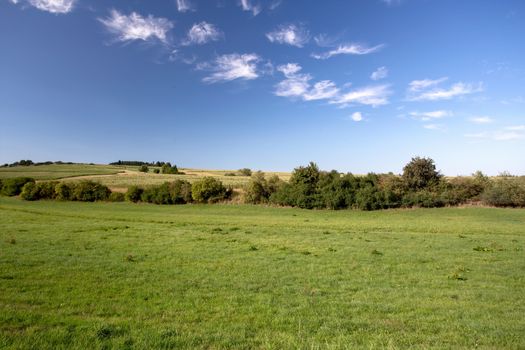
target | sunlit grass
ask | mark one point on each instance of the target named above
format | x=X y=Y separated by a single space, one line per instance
x=99 y=275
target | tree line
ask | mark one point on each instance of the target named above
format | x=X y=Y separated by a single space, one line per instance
x=420 y=185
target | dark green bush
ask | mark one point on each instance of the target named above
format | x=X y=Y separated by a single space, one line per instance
x=176 y=192
x=143 y=168
x=13 y=186
x=64 y=191
x=40 y=190
x=420 y=173
x=116 y=197
x=156 y=171
x=245 y=172
x=505 y=192
x=29 y=192
x=167 y=168
x=90 y=191
x=134 y=194
x=209 y=190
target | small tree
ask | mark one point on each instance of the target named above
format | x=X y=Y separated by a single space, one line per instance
x=134 y=194
x=144 y=168
x=420 y=173
x=208 y=190
x=245 y=172
x=167 y=168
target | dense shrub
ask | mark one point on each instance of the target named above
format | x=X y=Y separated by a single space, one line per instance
x=64 y=191
x=13 y=186
x=156 y=171
x=260 y=189
x=420 y=173
x=176 y=192
x=90 y=191
x=143 y=168
x=245 y=172
x=134 y=194
x=167 y=168
x=209 y=190
x=41 y=190
x=116 y=197
x=505 y=192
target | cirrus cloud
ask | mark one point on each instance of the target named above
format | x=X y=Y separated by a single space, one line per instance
x=348 y=49
x=291 y=34
x=136 y=27
x=231 y=67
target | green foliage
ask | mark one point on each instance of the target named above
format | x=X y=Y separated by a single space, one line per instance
x=64 y=191
x=506 y=192
x=90 y=191
x=259 y=189
x=176 y=192
x=167 y=168
x=117 y=197
x=156 y=171
x=134 y=194
x=13 y=186
x=209 y=190
x=245 y=172
x=144 y=168
x=420 y=173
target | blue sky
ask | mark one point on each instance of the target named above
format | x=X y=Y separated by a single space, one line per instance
x=361 y=85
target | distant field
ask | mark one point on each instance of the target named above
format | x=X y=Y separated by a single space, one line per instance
x=121 y=275
x=59 y=171
x=119 y=178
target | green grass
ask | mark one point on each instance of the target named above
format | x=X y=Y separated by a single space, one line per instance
x=59 y=171
x=120 y=275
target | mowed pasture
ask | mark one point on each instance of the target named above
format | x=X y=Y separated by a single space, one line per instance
x=120 y=178
x=122 y=275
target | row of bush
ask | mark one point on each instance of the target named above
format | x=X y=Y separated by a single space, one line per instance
x=206 y=190
x=420 y=185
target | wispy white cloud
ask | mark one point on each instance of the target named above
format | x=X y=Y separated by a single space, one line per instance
x=357 y=117
x=247 y=5
x=418 y=85
x=516 y=128
x=434 y=127
x=515 y=132
x=136 y=27
x=348 y=49
x=481 y=120
x=201 y=33
x=371 y=95
x=426 y=90
x=322 y=90
x=291 y=34
x=298 y=85
x=426 y=116
x=231 y=67
x=184 y=5
x=379 y=73
x=52 y=6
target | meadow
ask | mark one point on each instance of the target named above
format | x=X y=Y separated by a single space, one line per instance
x=119 y=178
x=122 y=275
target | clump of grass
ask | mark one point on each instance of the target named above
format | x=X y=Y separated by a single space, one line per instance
x=218 y=230
x=11 y=241
x=462 y=236
x=130 y=258
x=376 y=252
x=327 y=232
x=253 y=248
x=331 y=249
x=306 y=252
x=458 y=274
x=233 y=229
x=482 y=249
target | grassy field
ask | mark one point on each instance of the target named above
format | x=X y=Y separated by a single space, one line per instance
x=119 y=178
x=59 y=171
x=103 y=275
